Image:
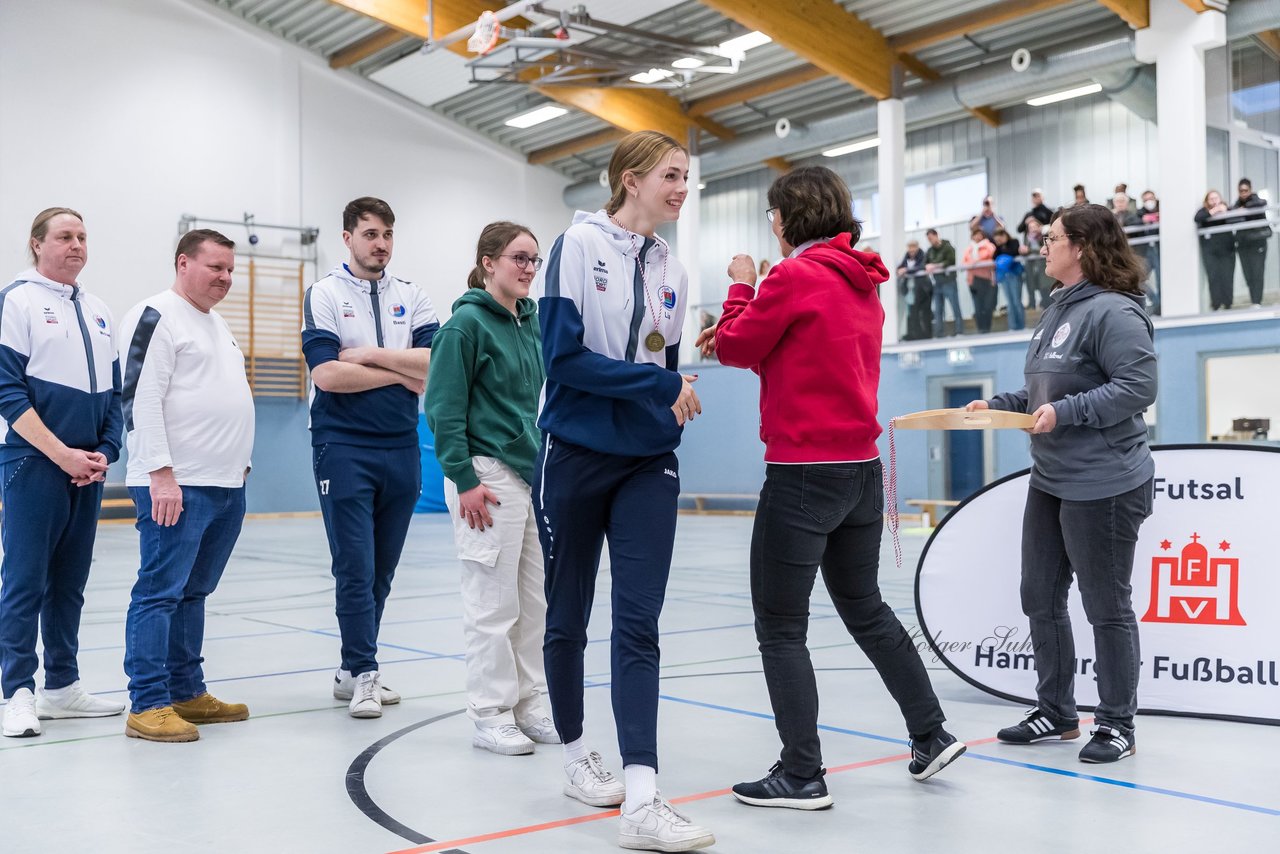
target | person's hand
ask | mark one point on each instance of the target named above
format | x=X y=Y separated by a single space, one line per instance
x=743 y=269
x=417 y=385
x=1046 y=419
x=96 y=475
x=357 y=355
x=687 y=405
x=902 y=271
x=932 y=268
x=706 y=342
x=166 y=497
x=977 y=406
x=84 y=467
x=473 y=506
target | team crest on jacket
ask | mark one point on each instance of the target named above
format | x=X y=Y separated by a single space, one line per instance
x=668 y=296
x=601 y=275
x=396 y=309
x=98 y=319
x=348 y=310
x=1061 y=335
x=50 y=316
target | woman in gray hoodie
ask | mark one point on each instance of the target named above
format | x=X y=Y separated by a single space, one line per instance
x=1090 y=373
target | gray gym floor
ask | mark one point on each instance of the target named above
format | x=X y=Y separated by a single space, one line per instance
x=301 y=775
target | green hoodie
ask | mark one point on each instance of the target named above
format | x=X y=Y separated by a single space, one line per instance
x=486 y=377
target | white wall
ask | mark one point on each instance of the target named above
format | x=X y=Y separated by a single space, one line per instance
x=137 y=111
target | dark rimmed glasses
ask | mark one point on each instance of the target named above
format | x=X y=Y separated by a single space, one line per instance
x=522 y=261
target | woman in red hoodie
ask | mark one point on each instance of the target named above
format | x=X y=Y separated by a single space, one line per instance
x=812 y=332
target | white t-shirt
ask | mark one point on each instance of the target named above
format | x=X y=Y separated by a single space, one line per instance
x=187 y=402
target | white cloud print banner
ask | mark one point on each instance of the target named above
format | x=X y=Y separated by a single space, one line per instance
x=1206 y=589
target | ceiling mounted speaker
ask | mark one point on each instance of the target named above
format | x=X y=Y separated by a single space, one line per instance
x=1023 y=60
x=782 y=128
x=604 y=178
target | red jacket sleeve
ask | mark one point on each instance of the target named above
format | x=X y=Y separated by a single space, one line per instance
x=750 y=328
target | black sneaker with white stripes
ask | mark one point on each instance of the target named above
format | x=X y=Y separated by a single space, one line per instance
x=780 y=789
x=1108 y=745
x=931 y=755
x=1038 y=726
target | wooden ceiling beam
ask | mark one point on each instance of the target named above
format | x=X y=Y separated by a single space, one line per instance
x=365 y=48
x=950 y=28
x=570 y=147
x=758 y=89
x=628 y=109
x=822 y=33
x=1135 y=13
x=1269 y=40
x=409 y=16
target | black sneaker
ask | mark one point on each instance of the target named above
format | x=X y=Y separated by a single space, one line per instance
x=931 y=756
x=1038 y=726
x=780 y=789
x=1108 y=745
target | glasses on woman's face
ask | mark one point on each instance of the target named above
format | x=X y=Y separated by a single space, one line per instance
x=522 y=260
x=770 y=213
x=1050 y=239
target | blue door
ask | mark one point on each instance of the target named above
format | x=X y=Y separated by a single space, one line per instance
x=964 y=448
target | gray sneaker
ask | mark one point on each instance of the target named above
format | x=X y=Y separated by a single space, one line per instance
x=589 y=782
x=658 y=826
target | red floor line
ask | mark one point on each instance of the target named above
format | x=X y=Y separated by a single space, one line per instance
x=613 y=813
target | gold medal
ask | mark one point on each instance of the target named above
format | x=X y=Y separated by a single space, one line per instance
x=655 y=342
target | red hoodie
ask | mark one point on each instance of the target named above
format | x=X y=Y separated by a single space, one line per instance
x=813 y=335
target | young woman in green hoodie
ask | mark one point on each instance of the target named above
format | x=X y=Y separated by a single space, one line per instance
x=482 y=406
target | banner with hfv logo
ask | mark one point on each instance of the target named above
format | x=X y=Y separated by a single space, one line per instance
x=1206 y=589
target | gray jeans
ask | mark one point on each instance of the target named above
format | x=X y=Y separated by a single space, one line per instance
x=1095 y=541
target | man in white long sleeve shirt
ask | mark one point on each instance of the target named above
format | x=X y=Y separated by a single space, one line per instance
x=189 y=417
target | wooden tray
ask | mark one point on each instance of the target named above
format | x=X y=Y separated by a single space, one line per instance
x=958 y=419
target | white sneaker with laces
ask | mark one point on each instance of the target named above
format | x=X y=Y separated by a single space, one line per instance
x=589 y=782
x=541 y=729
x=20 y=720
x=74 y=702
x=344 y=688
x=658 y=826
x=505 y=739
x=366 y=699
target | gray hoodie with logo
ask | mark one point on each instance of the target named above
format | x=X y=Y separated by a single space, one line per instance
x=1093 y=357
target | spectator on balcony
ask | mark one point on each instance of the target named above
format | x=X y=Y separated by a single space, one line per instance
x=1038 y=284
x=1009 y=274
x=914 y=284
x=1216 y=251
x=1120 y=208
x=1080 y=197
x=1149 y=215
x=1122 y=189
x=1251 y=244
x=977 y=260
x=987 y=219
x=1039 y=212
x=940 y=262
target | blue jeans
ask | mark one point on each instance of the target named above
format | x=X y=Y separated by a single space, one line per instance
x=181 y=566
x=944 y=291
x=1095 y=541
x=580 y=497
x=366 y=498
x=828 y=517
x=48 y=533
x=1011 y=286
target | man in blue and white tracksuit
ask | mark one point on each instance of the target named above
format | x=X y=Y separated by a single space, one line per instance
x=367 y=339
x=59 y=430
x=607 y=466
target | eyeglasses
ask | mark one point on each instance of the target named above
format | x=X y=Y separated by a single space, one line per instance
x=770 y=213
x=522 y=260
x=1050 y=239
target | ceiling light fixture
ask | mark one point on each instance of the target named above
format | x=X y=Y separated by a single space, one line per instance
x=841 y=150
x=744 y=43
x=1065 y=95
x=688 y=62
x=545 y=113
x=653 y=75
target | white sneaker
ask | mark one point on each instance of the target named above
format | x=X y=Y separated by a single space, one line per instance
x=20 y=720
x=506 y=739
x=74 y=702
x=542 y=730
x=658 y=826
x=344 y=687
x=590 y=783
x=366 y=699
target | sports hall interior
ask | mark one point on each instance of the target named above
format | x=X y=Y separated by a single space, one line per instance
x=263 y=118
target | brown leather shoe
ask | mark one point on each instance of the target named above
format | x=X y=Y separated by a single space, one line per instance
x=208 y=709
x=161 y=724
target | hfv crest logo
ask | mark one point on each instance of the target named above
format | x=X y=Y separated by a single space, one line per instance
x=1195 y=588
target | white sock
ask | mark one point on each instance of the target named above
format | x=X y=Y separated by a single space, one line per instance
x=573 y=751
x=642 y=784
